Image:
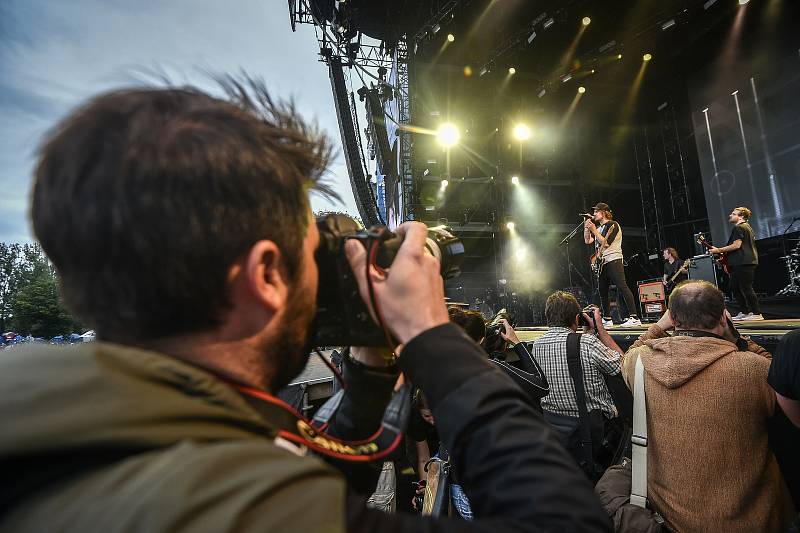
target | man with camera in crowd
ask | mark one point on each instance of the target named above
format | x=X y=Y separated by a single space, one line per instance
x=708 y=401
x=180 y=226
x=599 y=356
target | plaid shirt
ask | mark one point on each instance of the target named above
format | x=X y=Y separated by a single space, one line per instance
x=550 y=351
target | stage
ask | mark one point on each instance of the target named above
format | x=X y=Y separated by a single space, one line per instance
x=315 y=383
x=766 y=333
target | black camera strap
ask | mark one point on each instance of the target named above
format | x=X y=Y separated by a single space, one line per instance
x=294 y=427
x=576 y=374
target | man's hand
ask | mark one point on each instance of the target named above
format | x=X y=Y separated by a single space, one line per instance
x=588 y=224
x=665 y=322
x=596 y=319
x=411 y=294
x=730 y=333
x=508 y=332
x=715 y=250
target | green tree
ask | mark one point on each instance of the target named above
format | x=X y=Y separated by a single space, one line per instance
x=12 y=275
x=35 y=305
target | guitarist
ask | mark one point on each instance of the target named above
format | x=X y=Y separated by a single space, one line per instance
x=742 y=257
x=606 y=234
x=674 y=269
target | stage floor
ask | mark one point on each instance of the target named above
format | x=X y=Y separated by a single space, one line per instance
x=317 y=379
x=767 y=333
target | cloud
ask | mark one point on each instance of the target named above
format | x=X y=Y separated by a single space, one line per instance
x=53 y=55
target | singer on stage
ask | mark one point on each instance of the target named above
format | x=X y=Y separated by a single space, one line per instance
x=606 y=234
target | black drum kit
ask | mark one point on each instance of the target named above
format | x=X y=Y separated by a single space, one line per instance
x=792 y=262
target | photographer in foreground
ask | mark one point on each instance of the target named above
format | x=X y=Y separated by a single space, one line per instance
x=180 y=226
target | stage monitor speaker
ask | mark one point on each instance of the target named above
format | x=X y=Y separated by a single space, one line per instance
x=703 y=267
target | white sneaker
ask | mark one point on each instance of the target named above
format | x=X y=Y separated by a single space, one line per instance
x=631 y=322
x=751 y=316
x=608 y=323
x=740 y=316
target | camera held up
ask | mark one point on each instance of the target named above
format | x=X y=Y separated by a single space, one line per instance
x=342 y=317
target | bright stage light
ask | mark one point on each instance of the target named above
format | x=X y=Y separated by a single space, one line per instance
x=512 y=70
x=514 y=180
x=743 y=2
x=522 y=132
x=647 y=57
x=510 y=225
x=581 y=90
x=448 y=135
x=586 y=21
x=444 y=185
x=619 y=56
x=450 y=37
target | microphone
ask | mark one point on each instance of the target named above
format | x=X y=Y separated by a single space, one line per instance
x=585 y=215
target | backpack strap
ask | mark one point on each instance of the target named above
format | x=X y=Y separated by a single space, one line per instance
x=639 y=440
x=576 y=373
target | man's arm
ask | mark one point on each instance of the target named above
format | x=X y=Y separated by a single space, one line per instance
x=506 y=457
x=735 y=245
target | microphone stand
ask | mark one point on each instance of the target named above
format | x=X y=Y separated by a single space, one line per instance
x=565 y=241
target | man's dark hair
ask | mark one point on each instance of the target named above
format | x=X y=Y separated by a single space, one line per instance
x=561 y=309
x=470 y=321
x=696 y=304
x=144 y=198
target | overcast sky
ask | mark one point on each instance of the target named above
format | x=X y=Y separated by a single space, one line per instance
x=54 y=54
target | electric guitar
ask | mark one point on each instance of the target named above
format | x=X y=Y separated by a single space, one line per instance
x=670 y=283
x=720 y=259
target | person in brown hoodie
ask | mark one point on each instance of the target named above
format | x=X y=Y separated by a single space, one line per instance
x=710 y=467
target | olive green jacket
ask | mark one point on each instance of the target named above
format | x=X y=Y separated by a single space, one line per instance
x=100 y=437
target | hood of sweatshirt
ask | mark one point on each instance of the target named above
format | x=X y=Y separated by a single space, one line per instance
x=672 y=361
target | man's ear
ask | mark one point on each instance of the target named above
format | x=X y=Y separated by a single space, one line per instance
x=265 y=277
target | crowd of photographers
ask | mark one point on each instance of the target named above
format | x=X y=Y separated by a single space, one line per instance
x=195 y=227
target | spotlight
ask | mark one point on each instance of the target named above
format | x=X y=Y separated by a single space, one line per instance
x=467 y=71
x=522 y=132
x=549 y=22
x=436 y=28
x=531 y=37
x=743 y=2
x=512 y=70
x=510 y=225
x=586 y=21
x=647 y=57
x=581 y=89
x=448 y=135
x=619 y=56
x=668 y=24
x=709 y=3
x=592 y=71
x=450 y=37
x=566 y=77
x=445 y=183
x=514 y=180
x=542 y=93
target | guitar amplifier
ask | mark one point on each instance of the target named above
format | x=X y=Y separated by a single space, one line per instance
x=703 y=267
x=653 y=298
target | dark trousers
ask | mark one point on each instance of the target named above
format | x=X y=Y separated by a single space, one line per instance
x=742 y=288
x=614 y=272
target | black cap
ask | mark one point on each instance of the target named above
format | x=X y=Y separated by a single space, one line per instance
x=601 y=207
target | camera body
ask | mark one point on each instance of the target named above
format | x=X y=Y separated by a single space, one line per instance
x=342 y=317
x=589 y=310
x=494 y=342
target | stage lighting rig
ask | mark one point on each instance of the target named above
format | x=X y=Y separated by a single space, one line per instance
x=647 y=57
x=586 y=21
x=514 y=180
